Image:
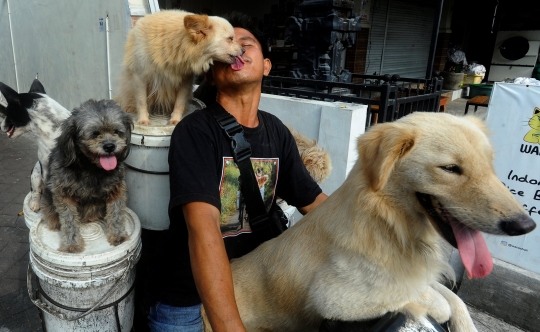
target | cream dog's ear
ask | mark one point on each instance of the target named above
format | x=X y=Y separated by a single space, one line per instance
x=197 y=26
x=380 y=148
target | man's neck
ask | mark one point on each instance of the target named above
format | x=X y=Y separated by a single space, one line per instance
x=243 y=105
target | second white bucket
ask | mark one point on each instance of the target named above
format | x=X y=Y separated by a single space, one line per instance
x=147 y=170
x=147 y=179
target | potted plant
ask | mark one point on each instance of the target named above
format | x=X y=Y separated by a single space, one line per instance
x=452 y=74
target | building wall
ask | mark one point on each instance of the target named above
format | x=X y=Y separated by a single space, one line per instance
x=355 y=61
x=217 y=7
x=65 y=42
x=445 y=33
x=443 y=40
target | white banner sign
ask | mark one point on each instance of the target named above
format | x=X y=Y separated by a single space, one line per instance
x=514 y=121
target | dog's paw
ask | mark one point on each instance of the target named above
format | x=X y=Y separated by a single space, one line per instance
x=72 y=248
x=34 y=205
x=144 y=122
x=53 y=226
x=115 y=240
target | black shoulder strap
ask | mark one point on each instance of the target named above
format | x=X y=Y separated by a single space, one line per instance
x=258 y=217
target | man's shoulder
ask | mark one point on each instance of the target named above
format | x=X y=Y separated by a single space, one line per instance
x=200 y=115
x=200 y=120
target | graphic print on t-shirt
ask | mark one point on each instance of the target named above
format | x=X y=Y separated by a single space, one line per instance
x=234 y=218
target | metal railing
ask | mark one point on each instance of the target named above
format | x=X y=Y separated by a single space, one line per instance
x=388 y=97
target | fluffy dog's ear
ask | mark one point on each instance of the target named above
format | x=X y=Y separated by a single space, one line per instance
x=197 y=26
x=381 y=148
x=128 y=125
x=478 y=123
x=66 y=141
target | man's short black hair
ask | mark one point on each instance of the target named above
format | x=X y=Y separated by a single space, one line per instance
x=241 y=20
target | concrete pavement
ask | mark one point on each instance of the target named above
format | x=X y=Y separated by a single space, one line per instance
x=17 y=158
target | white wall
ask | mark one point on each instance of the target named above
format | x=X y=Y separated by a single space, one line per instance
x=335 y=126
x=65 y=42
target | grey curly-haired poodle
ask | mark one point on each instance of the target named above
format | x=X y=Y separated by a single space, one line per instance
x=85 y=181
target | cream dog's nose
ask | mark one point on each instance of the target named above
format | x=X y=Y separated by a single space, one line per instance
x=520 y=225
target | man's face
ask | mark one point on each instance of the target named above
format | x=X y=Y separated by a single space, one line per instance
x=255 y=66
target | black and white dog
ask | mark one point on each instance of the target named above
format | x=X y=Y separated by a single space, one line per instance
x=37 y=113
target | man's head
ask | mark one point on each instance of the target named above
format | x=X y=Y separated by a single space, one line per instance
x=255 y=63
x=240 y=20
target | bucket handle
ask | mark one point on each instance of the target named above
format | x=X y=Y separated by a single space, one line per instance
x=45 y=307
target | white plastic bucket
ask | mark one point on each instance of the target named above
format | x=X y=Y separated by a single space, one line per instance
x=147 y=171
x=30 y=217
x=101 y=278
x=147 y=179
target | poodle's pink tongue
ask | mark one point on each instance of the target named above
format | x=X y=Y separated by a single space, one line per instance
x=239 y=64
x=473 y=251
x=108 y=162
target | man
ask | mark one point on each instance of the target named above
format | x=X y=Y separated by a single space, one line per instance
x=204 y=235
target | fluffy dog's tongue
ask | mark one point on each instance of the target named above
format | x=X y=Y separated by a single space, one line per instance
x=108 y=162
x=239 y=64
x=473 y=251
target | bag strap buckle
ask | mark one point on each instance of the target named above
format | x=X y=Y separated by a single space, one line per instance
x=241 y=147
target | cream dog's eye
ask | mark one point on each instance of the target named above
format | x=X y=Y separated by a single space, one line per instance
x=231 y=38
x=452 y=169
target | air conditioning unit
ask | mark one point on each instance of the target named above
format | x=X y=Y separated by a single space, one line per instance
x=515 y=54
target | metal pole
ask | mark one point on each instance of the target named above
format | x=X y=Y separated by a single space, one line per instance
x=384 y=40
x=108 y=55
x=13 y=46
x=434 y=36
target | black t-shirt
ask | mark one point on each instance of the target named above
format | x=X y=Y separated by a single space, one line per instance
x=202 y=169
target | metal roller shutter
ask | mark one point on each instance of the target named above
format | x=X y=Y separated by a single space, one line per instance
x=400 y=37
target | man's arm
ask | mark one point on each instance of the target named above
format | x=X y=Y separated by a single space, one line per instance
x=210 y=265
x=318 y=200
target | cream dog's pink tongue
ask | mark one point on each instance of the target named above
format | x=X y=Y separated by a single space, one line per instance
x=239 y=64
x=473 y=251
x=108 y=162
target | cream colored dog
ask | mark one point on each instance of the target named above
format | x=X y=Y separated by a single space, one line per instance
x=374 y=245
x=315 y=158
x=164 y=51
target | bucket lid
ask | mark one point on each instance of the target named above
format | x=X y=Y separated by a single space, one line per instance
x=158 y=126
x=159 y=123
x=44 y=243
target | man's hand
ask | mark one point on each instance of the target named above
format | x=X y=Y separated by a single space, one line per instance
x=210 y=265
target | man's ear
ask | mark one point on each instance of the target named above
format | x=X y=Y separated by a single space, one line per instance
x=197 y=26
x=267 y=66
